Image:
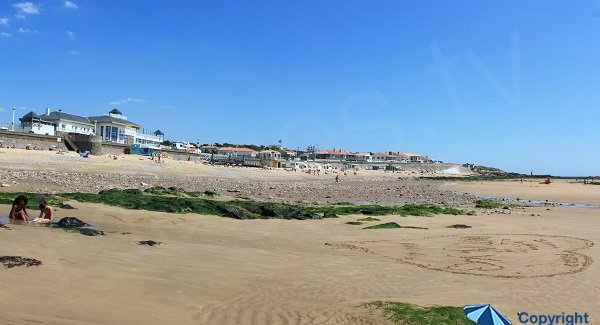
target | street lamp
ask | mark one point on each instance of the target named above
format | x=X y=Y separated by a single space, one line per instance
x=13 y=119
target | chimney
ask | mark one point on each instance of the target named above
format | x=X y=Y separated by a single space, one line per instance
x=47 y=110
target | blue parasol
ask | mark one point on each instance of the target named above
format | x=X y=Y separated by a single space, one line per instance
x=485 y=315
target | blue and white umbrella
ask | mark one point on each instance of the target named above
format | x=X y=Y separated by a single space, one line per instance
x=485 y=315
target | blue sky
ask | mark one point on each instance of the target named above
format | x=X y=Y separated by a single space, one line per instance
x=512 y=84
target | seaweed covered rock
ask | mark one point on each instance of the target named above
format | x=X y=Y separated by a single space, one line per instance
x=330 y=214
x=232 y=211
x=12 y=261
x=313 y=216
x=71 y=222
x=91 y=232
x=268 y=211
x=459 y=226
x=149 y=242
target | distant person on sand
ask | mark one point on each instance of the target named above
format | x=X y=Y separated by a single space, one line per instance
x=337 y=178
x=46 y=213
x=18 y=211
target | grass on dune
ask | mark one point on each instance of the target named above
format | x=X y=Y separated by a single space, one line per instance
x=174 y=200
x=407 y=314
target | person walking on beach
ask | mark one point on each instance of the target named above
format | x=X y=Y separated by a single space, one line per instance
x=46 y=213
x=18 y=211
x=337 y=178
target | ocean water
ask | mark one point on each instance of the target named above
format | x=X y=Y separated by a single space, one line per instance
x=533 y=202
x=5 y=220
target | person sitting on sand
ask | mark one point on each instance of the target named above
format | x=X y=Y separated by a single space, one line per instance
x=46 y=213
x=18 y=211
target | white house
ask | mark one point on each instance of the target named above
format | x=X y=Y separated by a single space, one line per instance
x=269 y=155
x=237 y=152
x=68 y=123
x=32 y=123
x=115 y=127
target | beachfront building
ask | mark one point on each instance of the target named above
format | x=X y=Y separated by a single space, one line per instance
x=68 y=123
x=288 y=153
x=358 y=156
x=237 y=152
x=332 y=154
x=115 y=127
x=384 y=156
x=209 y=149
x=269 y=155
x=32 y=123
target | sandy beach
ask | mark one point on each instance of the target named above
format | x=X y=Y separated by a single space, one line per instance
x=215 y=270
x=560 y=190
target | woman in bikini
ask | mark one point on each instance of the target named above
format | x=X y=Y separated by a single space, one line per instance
x=18 y=211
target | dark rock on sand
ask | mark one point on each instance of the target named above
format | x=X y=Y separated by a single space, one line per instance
x=91 y=232
x=313 y=216
x=232 y=211
x=459 y=226
x=67 y=206
x=149 y=242
x=12 y=261
x=268 y=211
x=330 y=214
x=71 y=222
x=3 y=226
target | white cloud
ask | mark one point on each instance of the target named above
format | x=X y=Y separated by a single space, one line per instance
x=26 y=8
x=74 y=52
x=70 y=34
x=118 y=102
x=5 y=34
x=1 y=109
x=20 y=16
x=71 y=4
x=4 y=21
x=26 y=30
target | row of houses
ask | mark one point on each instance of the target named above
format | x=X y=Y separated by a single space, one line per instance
x=390 y=156
x=327 y=155
x=111 y=127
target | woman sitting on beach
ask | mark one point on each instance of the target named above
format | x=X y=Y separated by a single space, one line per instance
x=18 y=211
x=45 y=213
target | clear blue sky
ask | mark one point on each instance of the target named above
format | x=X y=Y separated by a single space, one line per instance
x=512 y=84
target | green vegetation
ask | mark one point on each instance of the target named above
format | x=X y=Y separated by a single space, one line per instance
x=493 y=204
x=407 y=314
x=379 y=210
x=388 y=225
x=368 y=219
x=175 y=200
x=343 y=203
x=72 y=230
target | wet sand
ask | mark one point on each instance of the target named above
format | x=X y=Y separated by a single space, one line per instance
x=560 y=190
x=213 y=270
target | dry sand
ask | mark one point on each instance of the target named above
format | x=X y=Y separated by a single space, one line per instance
x=213 y=270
